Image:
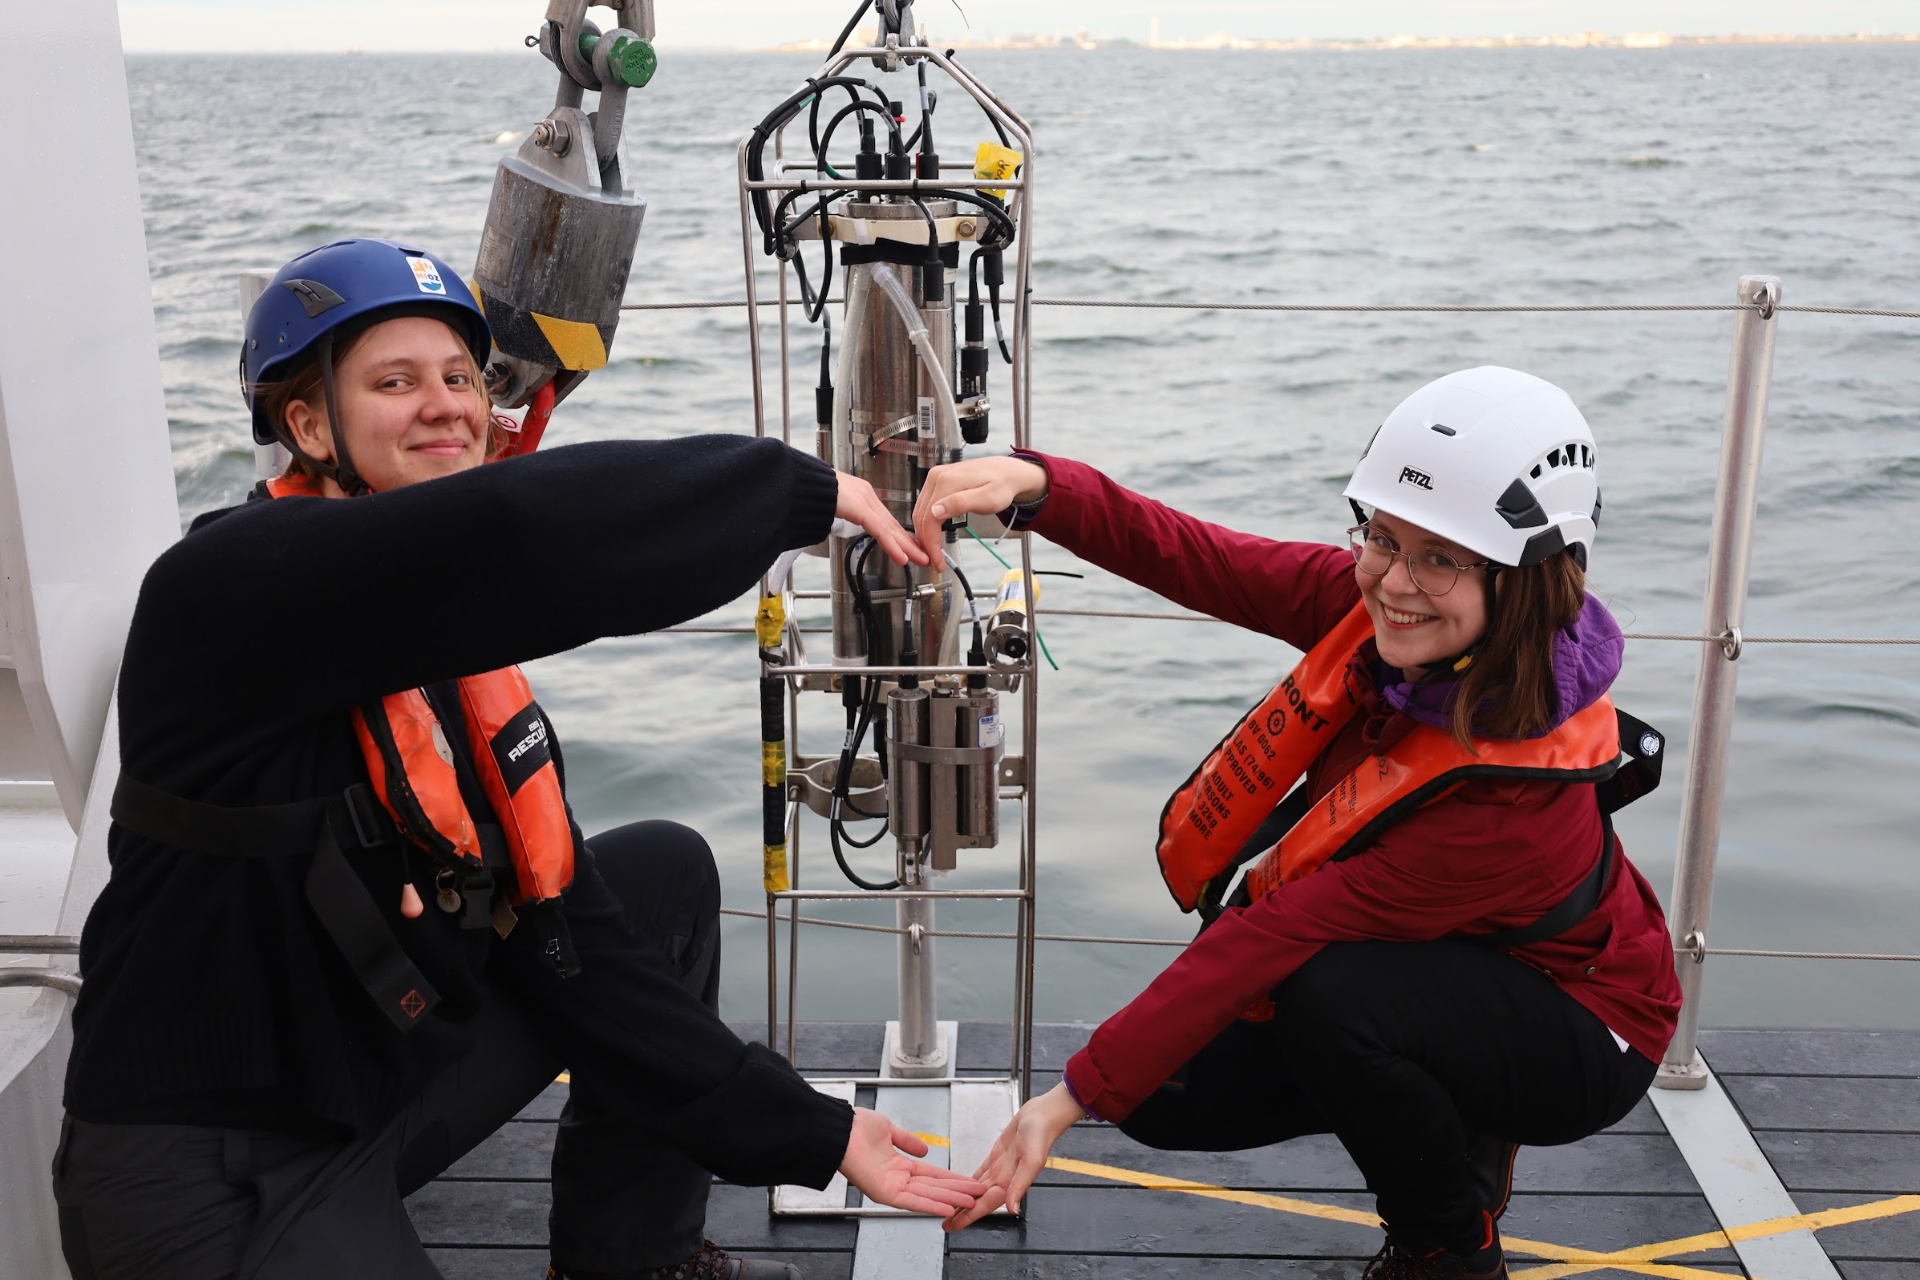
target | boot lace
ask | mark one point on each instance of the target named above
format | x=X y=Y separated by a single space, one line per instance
x=1396 y=1263
x=711 y=1263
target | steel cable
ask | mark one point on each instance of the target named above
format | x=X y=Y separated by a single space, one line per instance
x=1363 y=307
x=1200 y=617
x=954 y=933
x=1175 y=942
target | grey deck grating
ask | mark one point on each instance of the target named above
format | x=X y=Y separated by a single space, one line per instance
x=1836 y=1112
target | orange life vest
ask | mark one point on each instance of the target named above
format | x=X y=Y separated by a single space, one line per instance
x=1208 y=821
x=411 y=765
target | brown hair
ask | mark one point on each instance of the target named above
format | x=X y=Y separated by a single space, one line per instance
x=303 y=383
x=1509 y=691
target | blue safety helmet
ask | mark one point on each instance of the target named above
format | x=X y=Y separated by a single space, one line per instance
x=356 y=282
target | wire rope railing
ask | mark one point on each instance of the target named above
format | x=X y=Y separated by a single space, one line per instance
x=1724 y=639
x=31 y=944
x=1128 y=304
x=1104 y=940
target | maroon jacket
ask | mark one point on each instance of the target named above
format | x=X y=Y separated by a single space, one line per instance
x=1490 y=856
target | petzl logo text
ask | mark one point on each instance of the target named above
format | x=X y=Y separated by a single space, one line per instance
x=1412 y=475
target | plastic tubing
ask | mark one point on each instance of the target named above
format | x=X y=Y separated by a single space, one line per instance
x=896 y=293
x=859 y=290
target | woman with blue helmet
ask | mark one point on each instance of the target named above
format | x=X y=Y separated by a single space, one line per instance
x=351 y=927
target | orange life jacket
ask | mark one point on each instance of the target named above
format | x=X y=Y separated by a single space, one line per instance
x=1209 y=820
x=411 y=765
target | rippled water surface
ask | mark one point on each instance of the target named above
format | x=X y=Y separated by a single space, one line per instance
x=1543 y=176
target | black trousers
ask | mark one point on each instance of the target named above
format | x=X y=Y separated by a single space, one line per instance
x=178 y=1202
x=1403 y=1051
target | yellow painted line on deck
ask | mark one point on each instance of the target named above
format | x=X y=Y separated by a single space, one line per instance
x=1563 y=1260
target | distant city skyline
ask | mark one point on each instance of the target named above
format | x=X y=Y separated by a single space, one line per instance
x=435 y=25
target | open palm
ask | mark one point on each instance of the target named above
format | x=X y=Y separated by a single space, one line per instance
x=879 y=1162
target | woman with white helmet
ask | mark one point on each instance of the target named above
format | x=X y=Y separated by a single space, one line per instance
x=1438 y=951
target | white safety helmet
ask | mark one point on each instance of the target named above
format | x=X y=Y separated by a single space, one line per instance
x=1496 y=460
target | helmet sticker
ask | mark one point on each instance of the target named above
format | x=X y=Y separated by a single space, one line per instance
x=1415 y=476
x=427 y=276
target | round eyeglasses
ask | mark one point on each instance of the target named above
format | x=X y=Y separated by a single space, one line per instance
x=1433 y=571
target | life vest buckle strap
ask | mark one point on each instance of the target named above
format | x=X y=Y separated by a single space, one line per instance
x=347 y=912
x=1642 y=751
x=261 y=831
x=370 y=823
x=495 y=853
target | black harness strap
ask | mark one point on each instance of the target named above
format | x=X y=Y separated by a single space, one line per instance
x=1570 y=910
x=1285 y=816
x=337 y=895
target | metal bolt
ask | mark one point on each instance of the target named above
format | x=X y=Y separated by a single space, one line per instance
x=966 y=228
x=554 y=136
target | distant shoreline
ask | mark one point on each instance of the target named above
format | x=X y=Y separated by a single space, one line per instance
x=1211 y=44
x=1217 y=43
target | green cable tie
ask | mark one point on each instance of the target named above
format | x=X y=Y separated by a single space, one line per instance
x=1043 y=647
x=988 y=545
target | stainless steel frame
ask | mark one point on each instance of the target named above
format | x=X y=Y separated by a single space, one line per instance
x=797 y=670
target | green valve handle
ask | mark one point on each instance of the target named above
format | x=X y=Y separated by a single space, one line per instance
x=633 y=61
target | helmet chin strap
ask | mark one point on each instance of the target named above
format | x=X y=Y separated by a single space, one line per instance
x=1459 y=662
x=341 y=470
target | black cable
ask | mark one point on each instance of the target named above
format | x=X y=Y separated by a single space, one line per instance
x=757 y=143
x=966 y=587
x=856 y=730
x=847 y=32
x=858 y=104
x=787 y=249
x=995 y=211
x=869 y=630
x=813 y=128
x=923 y=136
x=992 y=119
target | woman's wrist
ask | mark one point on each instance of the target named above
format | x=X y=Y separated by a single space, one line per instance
x=1061 y=1108
x=1032 y=483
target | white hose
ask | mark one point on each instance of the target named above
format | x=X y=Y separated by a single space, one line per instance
x=859 y=290
x=896 y=293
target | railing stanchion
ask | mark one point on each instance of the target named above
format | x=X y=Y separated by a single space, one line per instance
x=1741 y=435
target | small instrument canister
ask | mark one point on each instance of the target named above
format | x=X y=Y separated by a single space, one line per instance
x=1009 y=625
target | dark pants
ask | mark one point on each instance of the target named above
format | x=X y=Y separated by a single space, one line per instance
x=1402 y=1050
x=177 y=1202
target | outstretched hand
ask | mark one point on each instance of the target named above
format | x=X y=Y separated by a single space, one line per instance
x=978 y=486
x=877 y=1162
x=860 y=504
x=1020 y=1153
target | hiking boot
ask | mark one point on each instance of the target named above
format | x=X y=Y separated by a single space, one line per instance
x=711 y=1263
x=1480 y=1258
x=1490 y=1163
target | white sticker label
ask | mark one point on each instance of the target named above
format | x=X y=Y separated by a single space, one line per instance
x=926 y=414
x=427 y=276
x=992 y=732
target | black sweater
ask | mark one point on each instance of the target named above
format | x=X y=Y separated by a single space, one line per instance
x=212 y=994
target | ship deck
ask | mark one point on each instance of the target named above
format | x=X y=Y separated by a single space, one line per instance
x=1836 y=1113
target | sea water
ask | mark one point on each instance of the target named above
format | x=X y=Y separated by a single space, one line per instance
x=1385 y=177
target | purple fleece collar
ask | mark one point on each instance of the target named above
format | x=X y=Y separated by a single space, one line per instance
x=1586 y=661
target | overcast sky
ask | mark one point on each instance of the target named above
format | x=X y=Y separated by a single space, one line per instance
x=416 y=25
